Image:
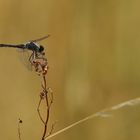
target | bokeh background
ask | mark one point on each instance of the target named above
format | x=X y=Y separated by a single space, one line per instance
x=94 y=59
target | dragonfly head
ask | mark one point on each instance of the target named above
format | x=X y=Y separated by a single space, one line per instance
x=41 y=49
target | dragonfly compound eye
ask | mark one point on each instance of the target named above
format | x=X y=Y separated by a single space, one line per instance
x=41 y=49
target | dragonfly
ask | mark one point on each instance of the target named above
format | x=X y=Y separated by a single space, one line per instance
x=36 y=50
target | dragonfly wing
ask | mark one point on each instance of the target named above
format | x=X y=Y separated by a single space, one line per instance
x=40 y=39
x=24 y=56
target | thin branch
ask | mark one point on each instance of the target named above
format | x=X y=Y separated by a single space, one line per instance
x=41 y=67
x=48 y=109
x=19 y=133
x=51 y=96
x=38 y=110
x=52 y=128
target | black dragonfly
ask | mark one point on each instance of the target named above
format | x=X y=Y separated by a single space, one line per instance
x=36 y=50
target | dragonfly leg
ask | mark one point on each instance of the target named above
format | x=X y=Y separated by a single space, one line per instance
x=31 y=57
x=40 y=56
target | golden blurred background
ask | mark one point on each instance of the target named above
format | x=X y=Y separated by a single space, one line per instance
x=94 y=60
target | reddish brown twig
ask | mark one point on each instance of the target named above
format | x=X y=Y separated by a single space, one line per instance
x=41 y=67
x=51 y=130
x=38 y=110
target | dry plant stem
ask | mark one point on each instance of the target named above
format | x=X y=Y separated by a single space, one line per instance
x=19 y=133
x=41 y=67
x=38 y=110
x=52 y=128
x=48 y=108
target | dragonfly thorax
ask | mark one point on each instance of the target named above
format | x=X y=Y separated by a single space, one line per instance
x=34 y=47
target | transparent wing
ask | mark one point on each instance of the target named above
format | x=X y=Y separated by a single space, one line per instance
x=24 y=56
x=40 y=39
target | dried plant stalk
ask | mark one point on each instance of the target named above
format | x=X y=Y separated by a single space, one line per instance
x=41 y=67
x=19 y=133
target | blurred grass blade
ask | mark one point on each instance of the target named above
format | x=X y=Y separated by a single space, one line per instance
x=103 y=113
